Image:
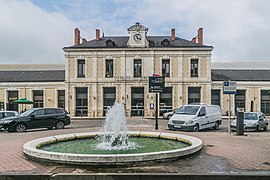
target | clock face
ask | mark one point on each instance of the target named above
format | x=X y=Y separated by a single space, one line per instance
x=137 y=38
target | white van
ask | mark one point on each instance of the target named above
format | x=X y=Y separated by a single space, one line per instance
x=196 y=117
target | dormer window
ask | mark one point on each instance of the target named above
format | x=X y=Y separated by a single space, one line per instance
x=110 y=43
x=165 y=42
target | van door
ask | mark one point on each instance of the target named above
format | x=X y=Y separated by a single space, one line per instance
x=211 y=116
x=202 y=118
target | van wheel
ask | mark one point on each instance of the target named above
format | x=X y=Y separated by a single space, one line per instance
x=196 y=128
x=216 y=127
x=169 y=117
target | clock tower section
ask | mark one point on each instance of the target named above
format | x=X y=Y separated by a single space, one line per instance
x=137 y=36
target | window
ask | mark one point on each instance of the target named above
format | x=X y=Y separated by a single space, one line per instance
x=81 y=68
x=165 y=42
x=215 y=97
x=109 y=95
x=110 y=43
x=239 y=99
x=137 y=68
x=166 y=67
x=194 y=95
x=59 y=111
x=109 y=68
x=194 y=68
x=81 y=101
x=202 y=111
x=61 y=98
x=39 y=112
x=265 y=102
x=38 y=98
x=50 y=111
x=137 y=101
x=165 y=102
x=12 y=96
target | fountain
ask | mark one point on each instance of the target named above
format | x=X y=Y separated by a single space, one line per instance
x=113 y=145
x=114 y=133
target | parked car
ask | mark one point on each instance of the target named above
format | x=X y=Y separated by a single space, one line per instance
x=168 y=115
x=196 y=117
x=252 y=121
x=37 y=118
x=4 y=114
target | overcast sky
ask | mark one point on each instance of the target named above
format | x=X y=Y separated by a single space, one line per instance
x=36 y=31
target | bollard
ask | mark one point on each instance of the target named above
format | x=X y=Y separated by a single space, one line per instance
x=240 y=123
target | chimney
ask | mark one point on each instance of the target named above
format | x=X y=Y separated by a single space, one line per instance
x=173 y=34
x=200 y=36
x=193 y=39
x=97 y=34
x=77 y=37
x=84 y=40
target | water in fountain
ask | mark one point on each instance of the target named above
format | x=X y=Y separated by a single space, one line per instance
x=114 y=133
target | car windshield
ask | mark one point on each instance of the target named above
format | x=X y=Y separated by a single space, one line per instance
x=26 y=113
x=191 y=110
x=250 y=116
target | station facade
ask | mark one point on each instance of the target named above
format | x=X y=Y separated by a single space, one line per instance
x=107 y=69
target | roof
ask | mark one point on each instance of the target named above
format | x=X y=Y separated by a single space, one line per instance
x=241 y=65
x=32 y=76
x=154 y=41
x=26 y=67
x=240 y=75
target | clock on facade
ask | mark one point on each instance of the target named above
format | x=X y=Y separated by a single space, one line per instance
x=137 y=37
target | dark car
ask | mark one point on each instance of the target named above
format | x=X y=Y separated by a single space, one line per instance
x=37 y=118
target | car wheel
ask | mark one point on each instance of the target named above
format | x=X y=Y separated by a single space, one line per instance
x=265 y=128
x=60 y=125
x=196 y=128
x=20 y=127
x=257 y=128
x=216 y=127
x=169 y=117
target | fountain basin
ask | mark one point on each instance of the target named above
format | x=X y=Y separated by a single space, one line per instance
x=31 y=150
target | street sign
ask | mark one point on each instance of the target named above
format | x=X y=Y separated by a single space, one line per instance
x=156 y=84
x=229 y=87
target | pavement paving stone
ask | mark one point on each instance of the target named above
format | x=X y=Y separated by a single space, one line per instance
x=249 y=153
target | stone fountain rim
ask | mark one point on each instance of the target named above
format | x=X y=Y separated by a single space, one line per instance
x=31 y=150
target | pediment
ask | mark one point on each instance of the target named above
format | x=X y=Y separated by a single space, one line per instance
x=137 y=27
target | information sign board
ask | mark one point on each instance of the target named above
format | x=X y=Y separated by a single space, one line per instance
x=229 y=87
x=156 y=84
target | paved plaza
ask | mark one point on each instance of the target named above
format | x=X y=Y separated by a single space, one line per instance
x=221 y=153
